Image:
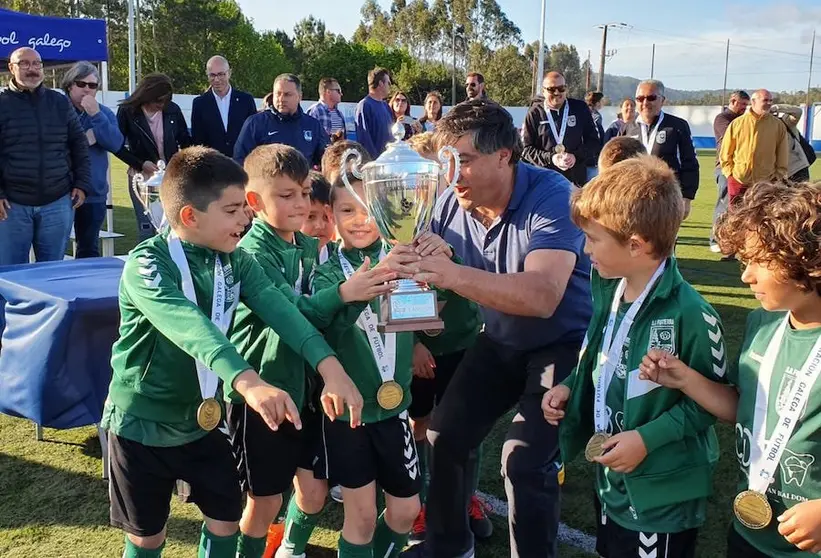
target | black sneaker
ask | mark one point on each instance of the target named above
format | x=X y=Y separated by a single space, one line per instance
x=480 y=523
x=416 y=551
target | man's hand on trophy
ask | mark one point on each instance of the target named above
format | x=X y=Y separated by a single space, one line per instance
x=366 y=284
x=439 y=271
x=400 y=259
x=429 y=244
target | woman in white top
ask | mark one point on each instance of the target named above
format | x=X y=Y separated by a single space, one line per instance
x=433 y=111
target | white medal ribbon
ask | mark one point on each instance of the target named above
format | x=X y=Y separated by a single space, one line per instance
x=219 y=316
x=610 y=355
x=383 y=352
x=649 y=141
x=559 y=135
x=298 y=282
x=323 y=255
x=765 y=454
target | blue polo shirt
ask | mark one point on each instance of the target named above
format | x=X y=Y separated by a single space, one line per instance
x=537 y=218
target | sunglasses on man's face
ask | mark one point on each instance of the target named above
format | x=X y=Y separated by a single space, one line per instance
x=83 y=84
x=556 y=89
x=648 y=98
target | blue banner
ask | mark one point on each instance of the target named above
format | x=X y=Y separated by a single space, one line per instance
x=57 y=39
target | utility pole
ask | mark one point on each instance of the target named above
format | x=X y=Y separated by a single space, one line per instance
x=132 y=70
x=726 y=67
x=604 y=52
x=589 y=73
x=653 y=62
x=139 y=39
x=540 y=74
x=453 y=73
x=809 y=85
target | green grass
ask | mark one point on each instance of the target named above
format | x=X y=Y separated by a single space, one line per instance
x=53 y=502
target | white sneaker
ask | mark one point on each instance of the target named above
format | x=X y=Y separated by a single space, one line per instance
x=283 y=552
x=336 y=494
x=715 y=249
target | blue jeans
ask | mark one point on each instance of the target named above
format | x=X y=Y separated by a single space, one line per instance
x=46 y=227
x=722 y=201
x=88 y=219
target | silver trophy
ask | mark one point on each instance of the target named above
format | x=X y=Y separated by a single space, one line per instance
x=148 y=192
x=400 y=193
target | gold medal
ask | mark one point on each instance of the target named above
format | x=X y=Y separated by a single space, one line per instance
x=390 y=395
x=593 y=448
x=559 y=149
x=752 y=509
x=432 y=332
x=209 y=414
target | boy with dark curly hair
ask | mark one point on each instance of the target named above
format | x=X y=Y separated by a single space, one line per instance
x=775 y=400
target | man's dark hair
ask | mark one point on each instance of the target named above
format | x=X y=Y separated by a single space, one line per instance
x=620 y=149
x=376 y=76
x=267 y=162
x=593 y=97
x=326 y=83
x=320 y=188
x=489 y=124
x=197 y=176
x=292 y=78
x=740 y=94
x=479 y=77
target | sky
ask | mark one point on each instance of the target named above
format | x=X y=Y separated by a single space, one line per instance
x=769 y=40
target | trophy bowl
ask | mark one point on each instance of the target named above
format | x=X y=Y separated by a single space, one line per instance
x=400 y=194
x=148 y=193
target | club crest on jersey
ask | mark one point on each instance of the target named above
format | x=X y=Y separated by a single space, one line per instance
x=661 y=137
x=621 y=368
x=663 y=336
x=571 y=120
x=794 y=467
x=308 y=135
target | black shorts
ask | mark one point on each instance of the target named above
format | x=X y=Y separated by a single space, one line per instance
x=265 y=459
x=383 y=451
x=615 y=541
x=738 y=547
x=142 y=480
x=427 y=392
x=311 y=415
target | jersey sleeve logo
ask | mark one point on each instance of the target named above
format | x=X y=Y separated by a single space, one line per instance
x=717 y=351
x=148 y=271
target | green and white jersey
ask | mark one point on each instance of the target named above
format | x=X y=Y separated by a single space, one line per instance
x=798 y=475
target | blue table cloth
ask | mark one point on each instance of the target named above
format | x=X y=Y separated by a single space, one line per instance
x=59 y=321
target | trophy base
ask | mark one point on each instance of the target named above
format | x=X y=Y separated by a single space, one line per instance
x=409 y=308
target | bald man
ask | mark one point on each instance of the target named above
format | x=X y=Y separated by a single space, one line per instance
x=218 y=114
x=755 y=147
x=45 y=171
x=559 y=134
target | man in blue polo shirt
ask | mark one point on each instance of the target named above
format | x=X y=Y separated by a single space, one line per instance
x=524 y=265
x=284 y=122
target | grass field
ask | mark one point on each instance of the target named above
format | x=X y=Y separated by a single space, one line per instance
x=54 y=503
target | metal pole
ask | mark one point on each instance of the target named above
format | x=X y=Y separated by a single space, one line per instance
x=453 y=73
x=589 y=73
x=603 y=55
x=809 y=85
x=653 y=62
x=132 y=69
x=540 y=75
x=726 y=65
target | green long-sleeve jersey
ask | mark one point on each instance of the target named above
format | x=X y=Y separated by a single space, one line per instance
x=155 y=392
x=351 y=342
x=289 y=267
x=667 y=492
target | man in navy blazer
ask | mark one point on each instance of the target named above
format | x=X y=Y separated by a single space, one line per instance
x=218 y=114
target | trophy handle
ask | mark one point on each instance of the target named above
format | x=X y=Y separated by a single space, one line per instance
x=354 y=169
x=449 y=158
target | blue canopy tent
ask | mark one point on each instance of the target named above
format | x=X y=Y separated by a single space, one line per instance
x=59 y=41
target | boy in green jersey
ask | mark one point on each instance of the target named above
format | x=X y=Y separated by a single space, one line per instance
x=436 y=356
x=382 y=450
x=775 y=398
x=656 y=449
x=267 y=461
x=319 y=223
x=177 y=296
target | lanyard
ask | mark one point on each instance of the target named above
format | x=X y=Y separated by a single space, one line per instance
x=559 y=135
x=219 y=316
x=611 y=349
x=383 y=352
x=648 y=142
x=765 y=454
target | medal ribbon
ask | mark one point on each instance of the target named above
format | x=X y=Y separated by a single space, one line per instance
x=383 y=352
x=559 y=135
x=648 y=142
x=220 y=317
x=765 y=454
x=610 y=355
